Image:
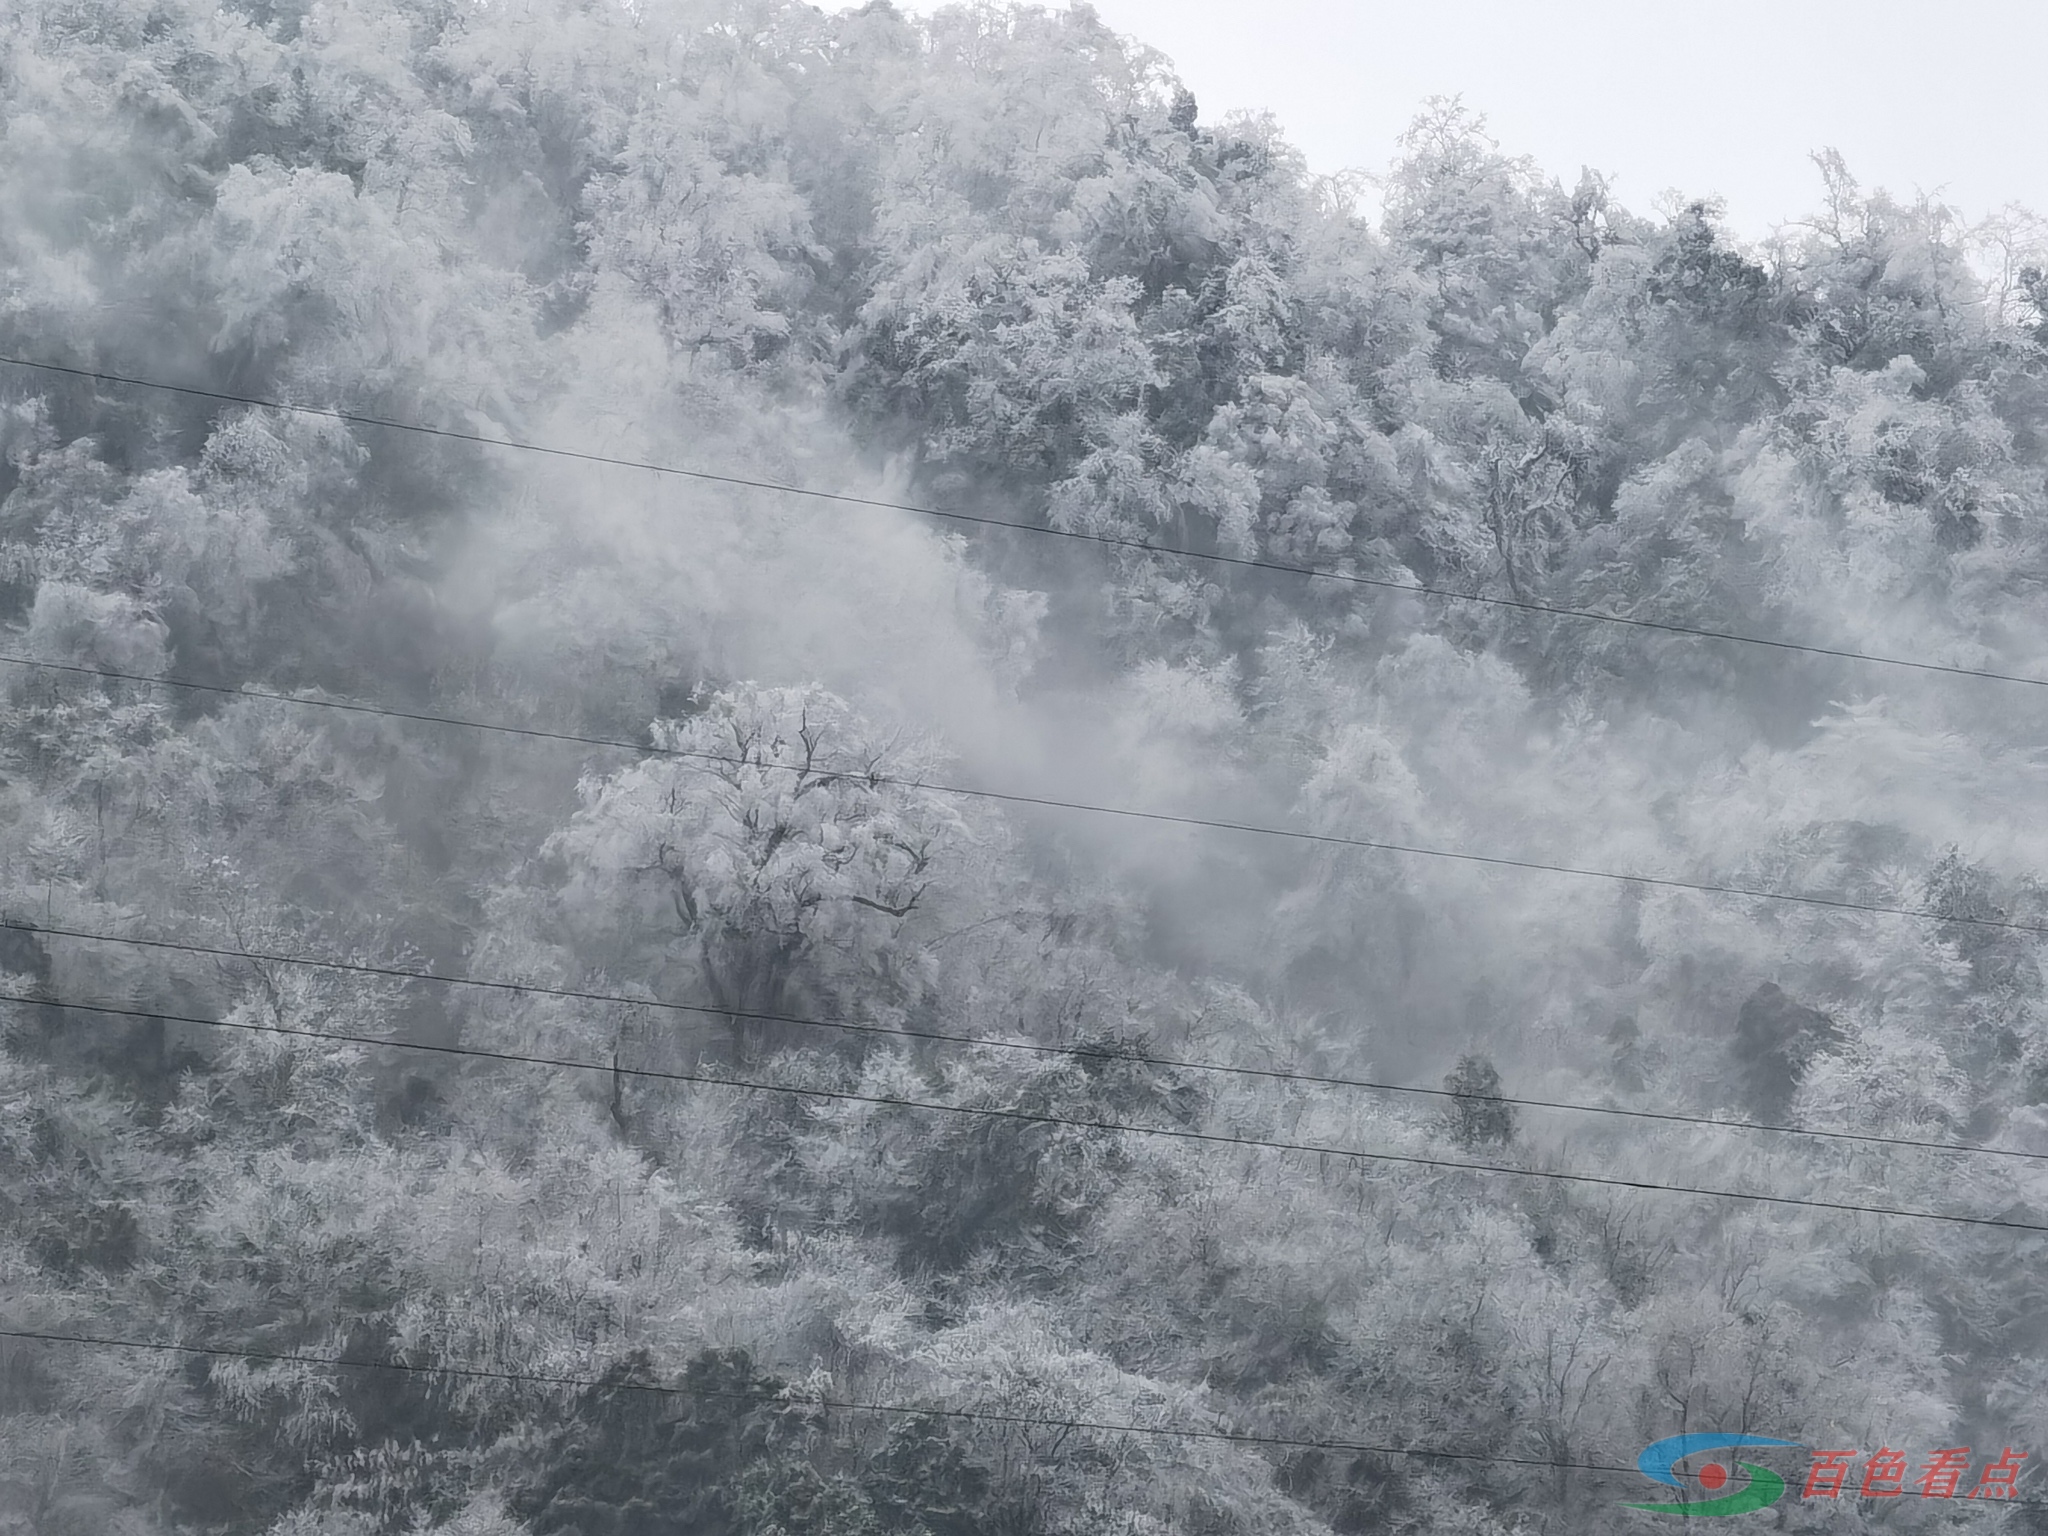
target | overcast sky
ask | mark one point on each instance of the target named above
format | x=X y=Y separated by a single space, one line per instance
x=1726 y=97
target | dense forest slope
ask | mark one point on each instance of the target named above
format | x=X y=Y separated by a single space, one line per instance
x=993 y=261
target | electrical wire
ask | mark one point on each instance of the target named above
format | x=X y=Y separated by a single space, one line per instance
x=1026 y=1117
x=1113 y=541
x=1076 y=1052
x=1108 y=541
x=1213 y=824
x=843 y=1405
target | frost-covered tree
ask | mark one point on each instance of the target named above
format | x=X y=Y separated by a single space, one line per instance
x=992 y=259
x=780 y=845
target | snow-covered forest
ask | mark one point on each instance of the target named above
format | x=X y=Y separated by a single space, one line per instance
x=740 y=1130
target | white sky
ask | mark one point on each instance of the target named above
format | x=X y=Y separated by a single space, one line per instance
x=1713 y=97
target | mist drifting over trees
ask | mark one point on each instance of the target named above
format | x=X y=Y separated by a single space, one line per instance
x=834 y=1204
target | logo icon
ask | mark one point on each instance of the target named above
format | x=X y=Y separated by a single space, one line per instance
x=1658 y=1462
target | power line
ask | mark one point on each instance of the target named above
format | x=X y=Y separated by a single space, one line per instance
x=1046 y=802
x=1045 y=530
x=1029 y=1421
x=1136 y=545
x=1076 y=1052
x=1026 y=1117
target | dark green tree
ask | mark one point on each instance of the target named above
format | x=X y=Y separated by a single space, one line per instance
x=1476 y=1117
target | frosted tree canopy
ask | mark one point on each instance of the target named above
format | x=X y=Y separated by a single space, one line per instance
x=738 y=1092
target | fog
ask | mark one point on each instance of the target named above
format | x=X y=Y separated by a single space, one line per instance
x=692 y=991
